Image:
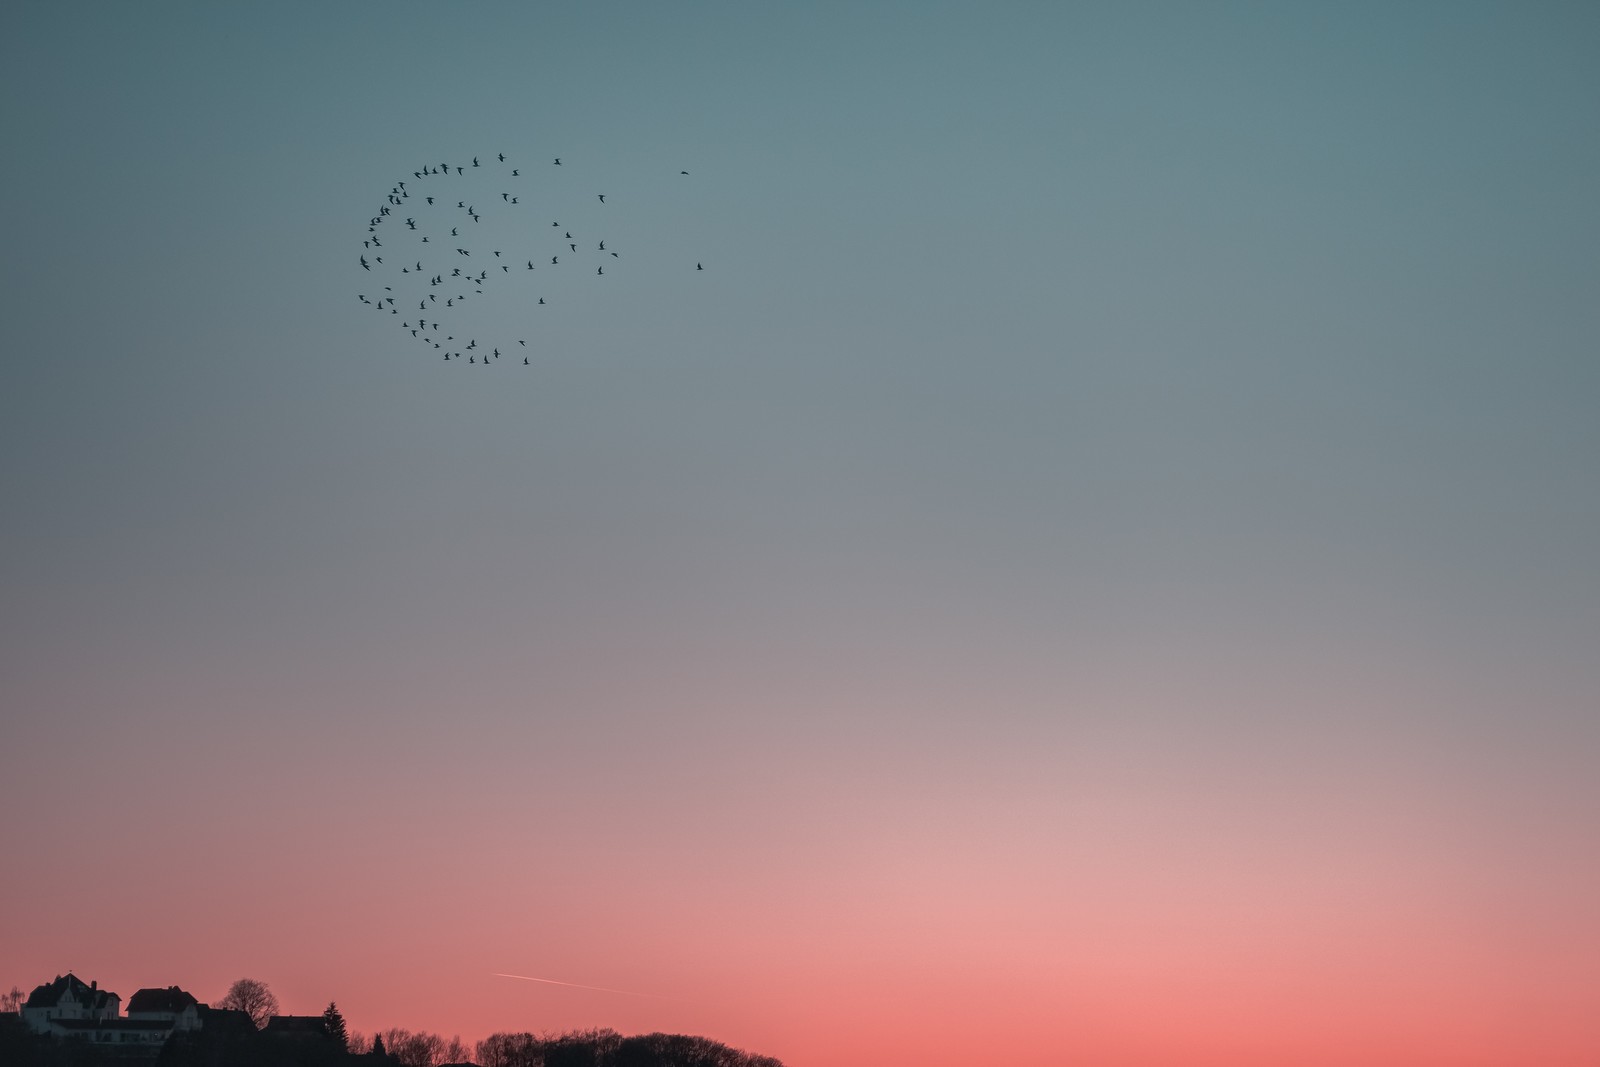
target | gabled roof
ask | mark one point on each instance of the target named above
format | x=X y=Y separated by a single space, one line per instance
x=170 y=999
x=51 y=993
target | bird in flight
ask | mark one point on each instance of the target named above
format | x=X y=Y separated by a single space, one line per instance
x=602 y=197
x=364 y=263
x=558 y=161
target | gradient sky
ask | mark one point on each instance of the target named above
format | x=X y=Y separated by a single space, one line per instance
x=1102 y=568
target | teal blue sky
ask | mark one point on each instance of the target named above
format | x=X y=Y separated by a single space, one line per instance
x=1206 y=392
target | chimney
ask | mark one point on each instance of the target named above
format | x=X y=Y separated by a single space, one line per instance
x=95 y=984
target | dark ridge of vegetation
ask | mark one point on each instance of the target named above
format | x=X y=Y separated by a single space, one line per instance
x=246 y=1047
x=607 y=1048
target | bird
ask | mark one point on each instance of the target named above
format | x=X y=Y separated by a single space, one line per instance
x=516 y=173
x=364 y=263
x=699 y=266
x=541 y=300
x=502 y=157
x=524 y=361
x=573 y=247
x=558 y=161
x=599 y=270
x=474 y=161
x=602 y=197
x=602 y=246
x=524 y=344
x=552 y=259
x=683 y=172
x=530 y=264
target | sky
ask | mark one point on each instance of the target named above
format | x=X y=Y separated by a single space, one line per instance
x=1100 y=567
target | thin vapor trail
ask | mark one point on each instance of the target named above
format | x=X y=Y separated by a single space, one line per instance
x=575 y=985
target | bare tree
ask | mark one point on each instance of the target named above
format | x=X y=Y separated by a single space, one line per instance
x=13 y=1000
x=253 y=998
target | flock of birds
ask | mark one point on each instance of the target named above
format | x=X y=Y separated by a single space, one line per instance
x=429 y=241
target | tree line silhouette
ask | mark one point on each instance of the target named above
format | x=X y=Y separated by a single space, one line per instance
x=245 y=1030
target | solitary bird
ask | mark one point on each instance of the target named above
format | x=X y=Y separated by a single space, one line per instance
x=474 y=161
x=697 y=266
x=364 y=263
x=558 y=161
x=602 y=197
x=524 y=344
x=502 y=157
x=524 y=361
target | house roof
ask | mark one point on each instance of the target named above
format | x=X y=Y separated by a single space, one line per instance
x=225 y=1019
x=170 y=999
x=297 y=1025
x=51 y=993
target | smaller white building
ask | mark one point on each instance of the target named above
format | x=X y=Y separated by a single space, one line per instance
x=179 y=1010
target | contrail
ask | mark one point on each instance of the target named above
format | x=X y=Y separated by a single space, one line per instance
x=575 y=985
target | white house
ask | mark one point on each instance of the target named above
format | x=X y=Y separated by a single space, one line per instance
x=69 y=999
x=179 y=1010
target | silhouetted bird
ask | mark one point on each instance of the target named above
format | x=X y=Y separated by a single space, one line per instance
x=697 y=266
x=502 y=157
x=602 y=197
x=558 y=161
x=364 y=263
x=474 y=161
x=524 y=361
